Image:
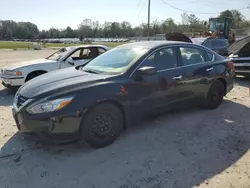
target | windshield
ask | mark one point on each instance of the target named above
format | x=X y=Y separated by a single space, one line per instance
x=115 y=61
x=217 y=25
x=58 y=55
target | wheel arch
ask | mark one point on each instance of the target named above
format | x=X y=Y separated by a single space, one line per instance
x=222 y=80
x=35 y=72
x=119 y=105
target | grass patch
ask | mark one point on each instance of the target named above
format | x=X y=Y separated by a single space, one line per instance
x=16 y=45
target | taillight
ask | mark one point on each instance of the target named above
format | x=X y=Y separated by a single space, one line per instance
x=231 y=65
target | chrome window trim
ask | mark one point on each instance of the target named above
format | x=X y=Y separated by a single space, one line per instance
x=175 y=45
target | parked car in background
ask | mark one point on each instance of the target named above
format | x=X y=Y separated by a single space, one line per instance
x=96 y=101
x=240 y=55
x=18 y=74
x=218 y=45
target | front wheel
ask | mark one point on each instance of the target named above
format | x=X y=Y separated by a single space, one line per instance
x=215 y=95
x=101 y=126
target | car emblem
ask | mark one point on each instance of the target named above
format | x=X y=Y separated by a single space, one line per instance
x=16 y=98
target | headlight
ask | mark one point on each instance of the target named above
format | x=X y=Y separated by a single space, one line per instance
x=13 y=73
x=50 y=106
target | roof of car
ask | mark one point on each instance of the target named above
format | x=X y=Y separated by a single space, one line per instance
x=150 y=44
x=90 y=45
x=198 y=40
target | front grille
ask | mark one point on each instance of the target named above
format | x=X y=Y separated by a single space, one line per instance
x=241 y=68
x=20 y=100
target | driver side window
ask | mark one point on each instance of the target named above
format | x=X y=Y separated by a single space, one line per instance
x=90 y=53
x=162 y=59
x=85 y=53
x=76 y=55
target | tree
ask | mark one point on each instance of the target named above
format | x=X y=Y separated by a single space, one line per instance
x=156 y=29
x=95 y=28
x=69 y=33
x=238 y=18
x=107 y=29
x=184 y=18
x=192 y=19
x=85 y=28
x=115 y=29
x=126 y=29
x=226 y=14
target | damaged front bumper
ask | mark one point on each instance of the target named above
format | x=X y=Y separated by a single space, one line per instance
x=47 y=126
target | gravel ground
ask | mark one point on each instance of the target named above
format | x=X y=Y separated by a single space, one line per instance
x=186 y=148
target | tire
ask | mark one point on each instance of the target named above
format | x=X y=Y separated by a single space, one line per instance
x=215 y=95
x=12 y=88
x=94 y=132
x=33 y=75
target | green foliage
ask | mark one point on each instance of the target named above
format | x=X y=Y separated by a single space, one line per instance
x=238 y=19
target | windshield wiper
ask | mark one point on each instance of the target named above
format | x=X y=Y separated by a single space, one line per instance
x=90 y=71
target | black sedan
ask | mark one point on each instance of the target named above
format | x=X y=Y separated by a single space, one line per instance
x=96 y=101
x=218 y=45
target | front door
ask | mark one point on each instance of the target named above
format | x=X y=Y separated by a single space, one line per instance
x=81 y=56
x=160 y=89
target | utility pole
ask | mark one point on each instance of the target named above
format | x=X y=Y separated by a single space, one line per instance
x=149 y=1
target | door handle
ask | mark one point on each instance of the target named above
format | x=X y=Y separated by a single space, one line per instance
x=177 y=77
x=209 y=69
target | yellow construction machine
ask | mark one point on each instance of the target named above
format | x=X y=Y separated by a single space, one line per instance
x=217 y=27
x=220 y=28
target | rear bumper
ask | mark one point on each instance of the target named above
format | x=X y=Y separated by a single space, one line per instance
x=229 y=88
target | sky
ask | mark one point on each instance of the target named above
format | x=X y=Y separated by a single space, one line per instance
x=62 y=13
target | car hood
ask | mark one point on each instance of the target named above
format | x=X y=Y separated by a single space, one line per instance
x=27 y=63
x=63 y=80
x=240 y=47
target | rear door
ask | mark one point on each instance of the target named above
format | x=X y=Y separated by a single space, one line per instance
x=197 y=69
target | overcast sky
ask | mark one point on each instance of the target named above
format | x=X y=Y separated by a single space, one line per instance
x=62 y=13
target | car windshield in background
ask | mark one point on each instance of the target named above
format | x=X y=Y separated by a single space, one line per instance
x=198 y=40
x=115 y=61
x=59 y=54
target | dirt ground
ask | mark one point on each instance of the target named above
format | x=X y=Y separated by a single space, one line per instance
x=186 y=148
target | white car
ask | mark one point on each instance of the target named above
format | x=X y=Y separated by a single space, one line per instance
x=18 y=74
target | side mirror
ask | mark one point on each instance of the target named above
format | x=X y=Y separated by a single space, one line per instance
x=70 y=61
x=146 y=70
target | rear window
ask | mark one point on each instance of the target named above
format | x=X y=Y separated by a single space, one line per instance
x=208 y=44
x=220 y=43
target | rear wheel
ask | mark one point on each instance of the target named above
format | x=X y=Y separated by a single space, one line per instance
x=215 y=95
x=101 y=126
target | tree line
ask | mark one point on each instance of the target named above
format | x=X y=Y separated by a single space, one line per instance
x=10 y=30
